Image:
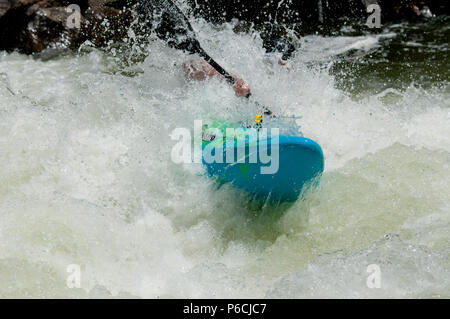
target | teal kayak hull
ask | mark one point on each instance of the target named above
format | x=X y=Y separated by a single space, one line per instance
x=300 y=165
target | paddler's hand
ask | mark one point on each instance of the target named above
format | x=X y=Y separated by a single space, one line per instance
x=241 y=88
x=202 y=70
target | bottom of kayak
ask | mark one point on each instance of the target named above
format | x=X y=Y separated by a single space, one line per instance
x=275 y=169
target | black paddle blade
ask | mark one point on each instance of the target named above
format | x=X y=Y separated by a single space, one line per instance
x=169 y=24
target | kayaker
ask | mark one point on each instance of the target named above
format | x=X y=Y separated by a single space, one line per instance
x=163 y=18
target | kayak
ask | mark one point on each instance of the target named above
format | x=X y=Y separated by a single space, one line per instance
x=267 y=166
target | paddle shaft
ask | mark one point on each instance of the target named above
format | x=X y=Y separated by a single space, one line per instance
x=195 y=47
x=230 y=79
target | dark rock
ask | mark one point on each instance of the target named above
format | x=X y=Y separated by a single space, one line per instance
x=310 y=13
x=4 y=6
x=31 y=26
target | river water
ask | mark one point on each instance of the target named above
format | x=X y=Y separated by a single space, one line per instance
x=87 y=178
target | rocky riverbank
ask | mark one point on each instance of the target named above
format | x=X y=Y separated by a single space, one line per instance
x=31 y=26
x=314 y=12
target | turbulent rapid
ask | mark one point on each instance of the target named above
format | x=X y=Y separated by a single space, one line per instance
x=87 y=178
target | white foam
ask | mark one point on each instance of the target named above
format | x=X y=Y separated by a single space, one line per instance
x=87 y=177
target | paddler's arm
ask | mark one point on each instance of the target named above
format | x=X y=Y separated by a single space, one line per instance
x=202 y=70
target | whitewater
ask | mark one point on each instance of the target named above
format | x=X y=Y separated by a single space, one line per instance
x=86 y=176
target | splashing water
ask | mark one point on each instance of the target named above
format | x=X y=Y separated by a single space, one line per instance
x=87 y=177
